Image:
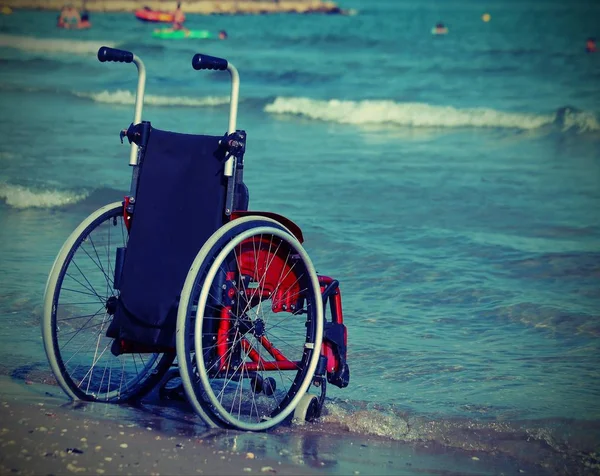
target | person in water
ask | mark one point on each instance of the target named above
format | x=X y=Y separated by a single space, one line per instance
x=85 y=17
x=440 y=29
x=590 y=45
x=69 y=17
x=178 y=18
x=85 y=21
x=222 y=35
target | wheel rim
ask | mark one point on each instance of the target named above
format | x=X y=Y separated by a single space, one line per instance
x=186 y=316
x=82 y=307
x=265 y=272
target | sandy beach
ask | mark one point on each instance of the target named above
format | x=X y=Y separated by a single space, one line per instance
x=203 y=7
x=42 y=433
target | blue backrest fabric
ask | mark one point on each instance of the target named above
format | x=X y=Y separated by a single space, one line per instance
x=179 y=203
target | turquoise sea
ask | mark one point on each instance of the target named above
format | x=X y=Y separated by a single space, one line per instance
x=450 y=183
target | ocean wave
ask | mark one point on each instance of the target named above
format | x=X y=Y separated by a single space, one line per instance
x=385 y=112
x=128 y=98
x=556 y=445
x=52 y=45
x=570 y=118
x=17 y=196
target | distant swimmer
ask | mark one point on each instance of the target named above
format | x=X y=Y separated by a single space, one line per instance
x=222 y=35
x=69 y=17
x=85 y=21
x=590 y=45
x=85 y=17
x=439 y=29
x=178 y=18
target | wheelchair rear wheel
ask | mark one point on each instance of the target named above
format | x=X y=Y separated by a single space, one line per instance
x=78 y=308
x=250 y=325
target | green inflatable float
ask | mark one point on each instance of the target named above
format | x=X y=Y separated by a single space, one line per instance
x=170 y=34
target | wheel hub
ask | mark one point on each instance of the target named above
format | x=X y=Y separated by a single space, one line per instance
x=111 y=305
x=259 y=328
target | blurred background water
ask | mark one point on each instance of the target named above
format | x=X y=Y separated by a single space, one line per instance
x=450 y=183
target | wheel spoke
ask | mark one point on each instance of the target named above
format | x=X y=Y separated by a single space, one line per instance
x=261 y=277
x=78 y=308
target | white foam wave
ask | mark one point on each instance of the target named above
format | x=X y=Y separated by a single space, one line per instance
x=580 y=121
x=128 y=98
x=21 y=197
x=384 y=112
x=368 y=422
x=51 y=45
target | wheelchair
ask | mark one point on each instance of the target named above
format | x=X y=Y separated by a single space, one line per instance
x=180 y=278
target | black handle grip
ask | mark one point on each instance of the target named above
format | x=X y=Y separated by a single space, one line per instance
x=200 y=61
x=112 y=54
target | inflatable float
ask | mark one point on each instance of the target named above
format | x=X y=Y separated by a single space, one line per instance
x=170 y=34
x=149 y=15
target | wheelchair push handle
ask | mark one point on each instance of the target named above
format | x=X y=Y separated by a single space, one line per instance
x=121 y=56
x=112 y=54
x=200 y=61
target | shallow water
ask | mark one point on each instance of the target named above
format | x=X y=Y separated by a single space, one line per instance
x=320 y=448
x=451 y=184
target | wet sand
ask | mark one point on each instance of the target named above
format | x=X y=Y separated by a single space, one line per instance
x=42 y=432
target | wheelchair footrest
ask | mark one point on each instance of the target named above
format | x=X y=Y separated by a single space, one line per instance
x=334 y=351
x=341 y=377
x=335 y=336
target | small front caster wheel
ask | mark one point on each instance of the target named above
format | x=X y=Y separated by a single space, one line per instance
x=269 y=385
x=307 y=410
x=256 y=383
